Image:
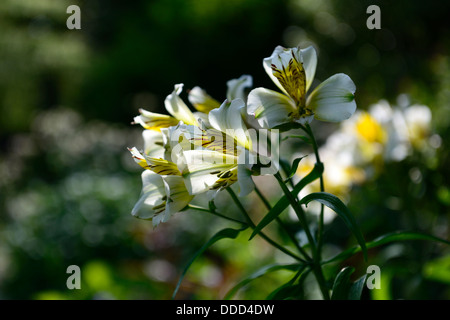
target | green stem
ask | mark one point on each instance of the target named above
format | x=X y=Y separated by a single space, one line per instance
x=194 y=207
x=317 y=269
x=261 y=234
x=297 y=208
x=283 y=226
x=320 y=228
x=286 y=172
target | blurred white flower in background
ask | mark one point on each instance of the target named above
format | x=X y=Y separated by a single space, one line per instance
x=358 y=149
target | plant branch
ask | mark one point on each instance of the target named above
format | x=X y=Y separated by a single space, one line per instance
x=283 y=226
x=317 y=269
x=261 y=234
x=198 y=208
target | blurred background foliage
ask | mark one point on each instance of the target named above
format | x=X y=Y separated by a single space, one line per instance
x=68 y=184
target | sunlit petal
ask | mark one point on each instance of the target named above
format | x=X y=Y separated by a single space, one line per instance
x=177 y=198
x=287 y=68
x=157 y=165
x=154 y=121
x=177 y=108
x=270 y=108
x=187 y=137
x=162 y=197
x=245 y=181
x=205 y=170
x=202 y=101
x=267 y=63
x=236 y=87
x=138 y=157
x=333 y=100
x=203 y=120
x=227 y=119
x=309 y=57
x=153 y=143
x=152 y=195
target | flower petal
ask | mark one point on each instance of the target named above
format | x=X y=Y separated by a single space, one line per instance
x=245 y=181
x=267 y=64
x=177 y=108
x=228 y=119
x=157 y=165
x=236 y=87
x=138 y=157
x=202 y=119
x=163 y=196
x=333 y=100
x=154 y=121
x=187 y=137
x=153 y=192
x=205 y=170
x=153 y=143
x=177 y=198
x=287 y=68
x=202 y=101
x=309 y=57
x=270 y=108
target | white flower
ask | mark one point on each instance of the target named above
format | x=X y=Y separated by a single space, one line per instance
x=175 y=106
x=418 y=124
x=204 y=103
x=293 y=70
x=162 y=196
x=157 y=165
x=214 y=159
x=153 y=143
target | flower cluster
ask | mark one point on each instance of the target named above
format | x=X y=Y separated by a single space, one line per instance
x=357 y=150
x=187 y=153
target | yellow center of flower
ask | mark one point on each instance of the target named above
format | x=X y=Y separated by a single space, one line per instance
x=226 y=178
x=216 y=140
x=293 y=79
x=369 y=129
x=162 y=167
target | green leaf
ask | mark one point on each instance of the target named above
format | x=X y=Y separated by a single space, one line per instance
x=286 y=167
x=344 y=289
x=290 y=289
x=285 y=292
x=294 y=168
x=304 y=138
x=335 y=204
x=259 y=273
x=227 y=233
x=356 y=288
x=283 y=203
x=341 y=286
x=385 y=239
